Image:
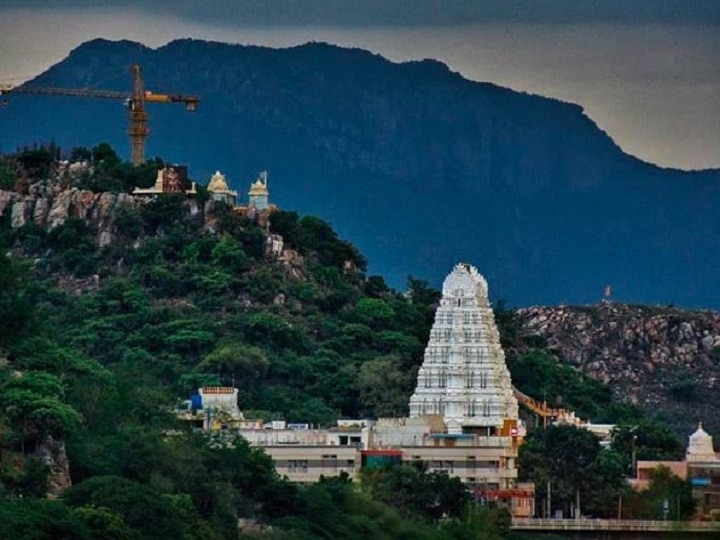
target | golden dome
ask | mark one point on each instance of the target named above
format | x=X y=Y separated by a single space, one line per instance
x=217 y=183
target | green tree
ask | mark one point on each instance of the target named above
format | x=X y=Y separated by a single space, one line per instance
x=37 y=162
x=127 y=222
x=229 y=254
x=274 y=331
x=150 y=513
x=80 y=153
x=373 y=313
x=383 y=387
x=39 y=520
x=650 y=503
x=7 y=177
x=34 y=407
x=287 y=225
x=29 y=479
x=421 y=293
x=643 y=440
x=433 y=496
x=544 y=378
x=103 y=523
x=104 y=154
x=570 y=459
x=16 y=298
x=247 y=364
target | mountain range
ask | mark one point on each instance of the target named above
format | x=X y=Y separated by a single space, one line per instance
x=417 y=165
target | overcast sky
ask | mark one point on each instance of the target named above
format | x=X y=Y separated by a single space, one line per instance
x=647 y=71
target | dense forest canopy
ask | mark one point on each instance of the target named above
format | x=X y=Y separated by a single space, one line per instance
x=172 y=305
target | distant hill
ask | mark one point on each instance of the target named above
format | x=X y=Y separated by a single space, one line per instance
x=664 y=360
x=418 y=165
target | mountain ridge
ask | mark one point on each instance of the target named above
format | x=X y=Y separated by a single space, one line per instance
x=420 y=165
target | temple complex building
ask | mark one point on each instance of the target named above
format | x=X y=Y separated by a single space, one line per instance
x=169 y=180
x=220 y=191
x=463 y=415
x=258 y=196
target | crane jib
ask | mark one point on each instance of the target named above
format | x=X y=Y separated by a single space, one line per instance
x=134 y=101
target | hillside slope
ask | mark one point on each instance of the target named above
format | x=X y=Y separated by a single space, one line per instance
x=419 y=165
x=663 y=359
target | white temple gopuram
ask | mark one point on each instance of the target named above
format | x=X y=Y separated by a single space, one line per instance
x=463 y=415
x=463 y=377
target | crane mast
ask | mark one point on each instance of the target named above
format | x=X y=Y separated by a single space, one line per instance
x=135 y=102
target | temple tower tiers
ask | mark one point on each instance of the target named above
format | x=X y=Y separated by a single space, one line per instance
x=700 y=446
x=463 y=376
x=258 y=196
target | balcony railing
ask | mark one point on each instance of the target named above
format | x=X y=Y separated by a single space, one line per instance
x=534 y=524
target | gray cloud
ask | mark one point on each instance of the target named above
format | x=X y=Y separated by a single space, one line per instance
x=408 y=12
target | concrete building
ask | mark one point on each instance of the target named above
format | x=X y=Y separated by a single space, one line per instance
x=701 y=467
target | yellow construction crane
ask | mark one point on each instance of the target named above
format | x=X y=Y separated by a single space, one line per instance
x=135 y=102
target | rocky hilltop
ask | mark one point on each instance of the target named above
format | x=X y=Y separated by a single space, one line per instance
x=51 y=207
x=663 y=359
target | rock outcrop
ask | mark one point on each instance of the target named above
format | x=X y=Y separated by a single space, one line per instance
x=49 y=205
x=52 y=453
x=663 y=359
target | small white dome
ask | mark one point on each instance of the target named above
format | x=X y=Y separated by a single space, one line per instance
x=700 y=446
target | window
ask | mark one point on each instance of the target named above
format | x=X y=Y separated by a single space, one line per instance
x=470 y=381
x=443 y=379
x=427 y=379
x=486 y=408
x=297 y=465
x=472 y=408
x=439 y=466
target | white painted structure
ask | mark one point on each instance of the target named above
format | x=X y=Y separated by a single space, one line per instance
x=463 y=377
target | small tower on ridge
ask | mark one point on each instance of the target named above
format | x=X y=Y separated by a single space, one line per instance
x=258 y=195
